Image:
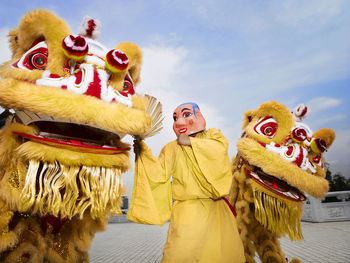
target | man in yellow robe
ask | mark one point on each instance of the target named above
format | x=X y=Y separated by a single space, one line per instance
x=202 y=226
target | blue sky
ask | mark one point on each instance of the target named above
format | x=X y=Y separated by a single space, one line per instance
x=228 y=56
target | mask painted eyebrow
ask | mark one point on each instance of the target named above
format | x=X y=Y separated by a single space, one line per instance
x=184 y=109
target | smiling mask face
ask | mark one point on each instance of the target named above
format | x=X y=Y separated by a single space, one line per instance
x=188 y=119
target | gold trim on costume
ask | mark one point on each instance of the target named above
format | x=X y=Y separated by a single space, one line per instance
x=278 y=214
x=62 y=191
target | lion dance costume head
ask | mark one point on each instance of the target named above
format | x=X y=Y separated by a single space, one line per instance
x=61 y=155
x=278 y=160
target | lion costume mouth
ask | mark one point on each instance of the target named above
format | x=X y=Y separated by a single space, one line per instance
x=71 y=136
x=276 y=185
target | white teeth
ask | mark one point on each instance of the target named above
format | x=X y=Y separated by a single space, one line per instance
x=288 y=194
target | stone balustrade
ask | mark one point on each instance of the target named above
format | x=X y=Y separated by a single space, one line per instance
x=319 y=210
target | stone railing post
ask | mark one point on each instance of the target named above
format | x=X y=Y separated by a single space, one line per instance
x=317 y=211
x=312 y=210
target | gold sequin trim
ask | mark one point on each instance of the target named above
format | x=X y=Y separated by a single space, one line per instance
x=14 y=179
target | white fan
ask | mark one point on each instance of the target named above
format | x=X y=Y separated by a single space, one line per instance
x=154 y=108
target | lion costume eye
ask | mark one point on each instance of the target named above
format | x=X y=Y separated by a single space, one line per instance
x=317 y=158
x=34 y=58
x=38 y=60
x=266 y=126
x=128 y=86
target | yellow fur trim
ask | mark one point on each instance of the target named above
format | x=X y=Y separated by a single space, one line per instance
x=41 y=152
x=7 y=239
x=135 y=59
x=25 y=248
x=83 y=238
x=272 y=164
x=139 y=102
x=11 y=168
x=9 y=192
x=7 y=72
x=92 y=188
x=267 y=244
x=13 y=41
x=321 y=172
x=270 y=109
x=134 y=68
x=278 y=214
x=65 y=105
x=296 y=260
x=61 y=249
x=327 y=135
x=9 y=142
x=10 y=239
x=28 y=241
x=116 y=80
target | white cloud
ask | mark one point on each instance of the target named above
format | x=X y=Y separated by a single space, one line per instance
x=275 y=55
x=163 y=71
x=165 y=75
x=329 y=121
x=163 y=66
x=322 y=103
x=276 y=71
x=164 y=40
x=5 y=53
x=201 y=10
x=338 y=155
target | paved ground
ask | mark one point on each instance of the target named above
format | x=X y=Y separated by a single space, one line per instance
x=134 y=243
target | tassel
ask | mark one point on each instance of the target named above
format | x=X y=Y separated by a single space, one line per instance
x=65 y=192
x=278 y=214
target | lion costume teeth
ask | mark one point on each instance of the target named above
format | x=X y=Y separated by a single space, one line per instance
x=278 y=159
x=61 y=154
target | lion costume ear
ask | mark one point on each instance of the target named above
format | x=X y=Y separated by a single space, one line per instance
x=135 y=59
x=247 y=118
x=13 y=39
x=327 y=135
x=134 y=55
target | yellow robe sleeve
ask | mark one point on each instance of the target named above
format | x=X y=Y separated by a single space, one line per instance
x=210 y=152
x=151 y=197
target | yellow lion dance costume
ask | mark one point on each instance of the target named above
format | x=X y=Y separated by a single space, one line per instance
x=278 y=158
x=61 y=155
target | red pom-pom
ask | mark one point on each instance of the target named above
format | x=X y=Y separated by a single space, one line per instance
x=116 y=60
x=299 y=134
x=75 y=47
